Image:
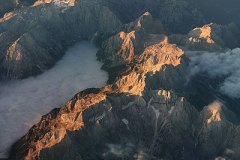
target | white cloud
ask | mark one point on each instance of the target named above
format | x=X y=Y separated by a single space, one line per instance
x=23 y=102
x=219 y=65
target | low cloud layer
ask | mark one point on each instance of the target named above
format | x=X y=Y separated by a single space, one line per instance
x=23 y=102
x=219 y=65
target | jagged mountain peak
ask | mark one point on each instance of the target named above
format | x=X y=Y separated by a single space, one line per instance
x=144 y=110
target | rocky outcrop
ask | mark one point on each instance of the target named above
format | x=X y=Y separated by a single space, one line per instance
x=53 y=127
x=123 y=47
x=150 y=60
x=179 y=16
x=139 y=114
x=109 y=125
x=25 y=52
x=63 y=22
x=210 y=37
x=153 y=64
x=176 y=16
x=143 y=53
x=219 y=134
x=57 y=2
x=204 y=135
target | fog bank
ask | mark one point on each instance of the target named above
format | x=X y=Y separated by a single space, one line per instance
x=218 y=65
x=23 y=102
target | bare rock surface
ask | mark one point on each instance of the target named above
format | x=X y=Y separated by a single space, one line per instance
x=142 y=113
x=25 y=52
x=139 y=114
x=210 y=37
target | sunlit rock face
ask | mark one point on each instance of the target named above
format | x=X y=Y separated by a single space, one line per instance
x=124 y=46
x=36 y=96
x=156 y=60
x=116 y=126
x=54 y=126
x=202 y=35
x=59 y=3
x=210 y=37
x=219 y=132
x=66 y=24
x=134 y=116
x=213 y=37
x=145 y=111
x=25 y=52
x=127 y=129
x=148 y=57
x=150 y=65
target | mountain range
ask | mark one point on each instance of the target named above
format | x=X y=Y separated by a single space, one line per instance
x=152 y=106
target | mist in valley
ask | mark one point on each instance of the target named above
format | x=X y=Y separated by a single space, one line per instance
x=23 y=102
x=218 y=65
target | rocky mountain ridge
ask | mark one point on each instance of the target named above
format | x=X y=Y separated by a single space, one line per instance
x=25 y=52
x=144 y=112
x=22 y=47
x=100 y=123
x=210 y=37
